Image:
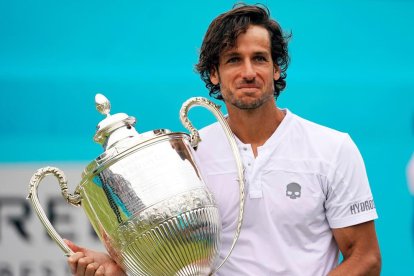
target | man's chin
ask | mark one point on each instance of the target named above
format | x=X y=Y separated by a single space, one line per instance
x=248 y=105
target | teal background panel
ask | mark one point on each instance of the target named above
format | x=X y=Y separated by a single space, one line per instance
x=351 y=69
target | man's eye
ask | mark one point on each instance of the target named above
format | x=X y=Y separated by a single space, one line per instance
x=233 y=60
x=260 y=58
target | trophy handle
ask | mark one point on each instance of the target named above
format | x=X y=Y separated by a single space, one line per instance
x=72 y=199
x=195 y=139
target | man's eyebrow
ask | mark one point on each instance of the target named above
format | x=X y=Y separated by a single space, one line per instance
x=235 y=53
x=262 y=53
x=231 y=54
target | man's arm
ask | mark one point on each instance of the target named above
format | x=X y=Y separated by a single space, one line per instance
x=359 y=247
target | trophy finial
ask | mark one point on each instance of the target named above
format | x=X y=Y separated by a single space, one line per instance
x=114 y=127
x=102 y=104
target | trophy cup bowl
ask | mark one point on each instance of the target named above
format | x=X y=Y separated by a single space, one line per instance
x=145 y=197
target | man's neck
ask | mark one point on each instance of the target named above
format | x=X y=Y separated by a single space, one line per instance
x=255 y=126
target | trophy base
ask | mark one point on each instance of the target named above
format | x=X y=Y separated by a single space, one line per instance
x=186 y=244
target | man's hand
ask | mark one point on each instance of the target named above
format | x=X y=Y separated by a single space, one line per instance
x=87 y=262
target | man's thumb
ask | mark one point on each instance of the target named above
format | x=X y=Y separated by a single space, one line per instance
x=75 y=248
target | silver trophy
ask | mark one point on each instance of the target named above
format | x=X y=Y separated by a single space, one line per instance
x=145 y=196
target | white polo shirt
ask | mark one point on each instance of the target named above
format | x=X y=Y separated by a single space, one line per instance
x=305 y=180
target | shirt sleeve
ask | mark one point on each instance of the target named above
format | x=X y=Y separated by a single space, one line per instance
x=349 y=200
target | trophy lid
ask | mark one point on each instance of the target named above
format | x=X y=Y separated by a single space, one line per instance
x=118 y=129
x=113 y=128
x=118 y=136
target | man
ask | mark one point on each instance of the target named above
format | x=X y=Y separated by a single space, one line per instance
x=308 y=195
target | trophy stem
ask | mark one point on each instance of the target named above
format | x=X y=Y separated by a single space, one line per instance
x=33 y=196
x=195 y=139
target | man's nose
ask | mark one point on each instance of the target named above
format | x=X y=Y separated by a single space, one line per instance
x=248 y=71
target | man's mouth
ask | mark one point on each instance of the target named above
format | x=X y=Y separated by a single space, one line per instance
x=248 y=86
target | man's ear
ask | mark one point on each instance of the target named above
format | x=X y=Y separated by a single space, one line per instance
x=214 y=77
x=276 y=74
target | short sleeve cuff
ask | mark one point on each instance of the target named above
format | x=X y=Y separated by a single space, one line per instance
x=353 y=220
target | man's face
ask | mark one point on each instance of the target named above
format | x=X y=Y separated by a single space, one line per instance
x=246 y=72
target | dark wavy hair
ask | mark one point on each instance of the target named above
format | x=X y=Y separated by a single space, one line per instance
x=222 y=35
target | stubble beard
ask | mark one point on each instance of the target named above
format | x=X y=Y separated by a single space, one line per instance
x=250 y=105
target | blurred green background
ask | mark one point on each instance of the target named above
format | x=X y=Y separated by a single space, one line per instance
x=351 y=69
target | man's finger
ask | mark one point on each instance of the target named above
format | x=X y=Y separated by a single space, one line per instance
x=91 y=269
x=100 y=271
x=73 y=261
x=83 y=263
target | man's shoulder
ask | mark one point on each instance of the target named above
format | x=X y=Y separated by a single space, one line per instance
x=213 y=143
x=313 y=130
x=316 y=140
x=211 y=130
x=212 y=134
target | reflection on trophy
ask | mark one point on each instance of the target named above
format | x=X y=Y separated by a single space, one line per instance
x=145 y=196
